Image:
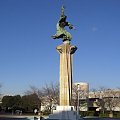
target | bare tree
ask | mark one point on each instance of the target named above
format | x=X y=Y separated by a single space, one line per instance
x=51 y=95
x=118 y=96
x=108 y=99
x=101 y=95
x=48 y=95
x=38 y=92
x=111 y=100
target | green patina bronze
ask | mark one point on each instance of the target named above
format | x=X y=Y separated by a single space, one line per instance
x=61 y=32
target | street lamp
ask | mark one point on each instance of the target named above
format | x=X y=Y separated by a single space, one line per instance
x=78 y=92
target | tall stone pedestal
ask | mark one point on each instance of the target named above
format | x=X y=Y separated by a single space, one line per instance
x=65 y=111
x=66 y=52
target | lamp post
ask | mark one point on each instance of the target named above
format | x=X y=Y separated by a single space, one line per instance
x=78 y=103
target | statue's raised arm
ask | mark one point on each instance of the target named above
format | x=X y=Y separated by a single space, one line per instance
x=61 y=32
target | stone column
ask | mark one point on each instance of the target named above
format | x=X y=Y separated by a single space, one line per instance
x=66 y=52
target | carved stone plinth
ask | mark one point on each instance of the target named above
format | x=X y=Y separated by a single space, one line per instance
x=66 y=52
x=64 y=113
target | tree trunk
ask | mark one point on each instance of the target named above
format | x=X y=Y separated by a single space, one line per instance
x=111 y=114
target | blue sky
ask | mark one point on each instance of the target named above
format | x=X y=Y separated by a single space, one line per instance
x=28 y=54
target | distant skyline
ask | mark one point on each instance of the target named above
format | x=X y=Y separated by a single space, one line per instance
x=28 y=55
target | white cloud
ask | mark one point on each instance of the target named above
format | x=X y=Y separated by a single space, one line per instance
x=94 y=29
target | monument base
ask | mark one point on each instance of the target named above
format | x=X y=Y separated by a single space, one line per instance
x=64 y=113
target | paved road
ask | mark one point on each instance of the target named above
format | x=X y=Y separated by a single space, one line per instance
x=32 y=118
x=101 y=118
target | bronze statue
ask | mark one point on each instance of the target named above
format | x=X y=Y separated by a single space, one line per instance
x=61 y=32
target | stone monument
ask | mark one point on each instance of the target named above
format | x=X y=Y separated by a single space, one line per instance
x=66 y=50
